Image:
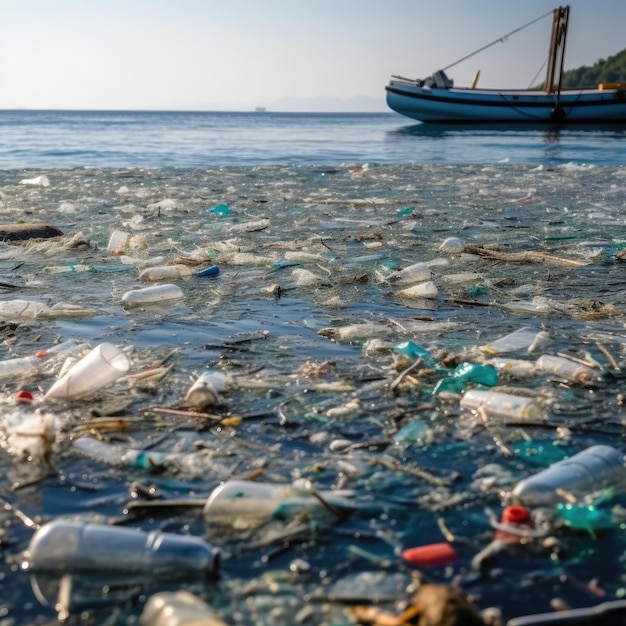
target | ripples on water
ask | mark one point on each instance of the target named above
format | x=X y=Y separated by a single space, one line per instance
x=354 y=224
x=201 y=139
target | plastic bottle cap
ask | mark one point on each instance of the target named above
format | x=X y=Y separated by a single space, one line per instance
x=24 y=396
x=515 y=514
x=429 y=555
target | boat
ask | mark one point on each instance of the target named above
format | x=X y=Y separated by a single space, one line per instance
x=437 y=100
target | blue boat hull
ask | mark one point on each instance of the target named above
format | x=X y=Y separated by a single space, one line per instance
x=464 y=105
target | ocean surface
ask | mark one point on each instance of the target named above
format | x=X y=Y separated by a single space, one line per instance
x=61 y=139
x=273 y=247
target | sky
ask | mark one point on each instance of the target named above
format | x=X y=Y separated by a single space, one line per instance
x=241 y=54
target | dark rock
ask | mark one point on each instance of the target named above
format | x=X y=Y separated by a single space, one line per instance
x=22 y=232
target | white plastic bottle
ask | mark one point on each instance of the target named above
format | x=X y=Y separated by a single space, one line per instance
x=68 y=547
x=596 y=468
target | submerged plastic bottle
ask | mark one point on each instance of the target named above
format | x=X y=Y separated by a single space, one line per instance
x=243 y=504
x=69 y=547
x=594 y=469
x=178 y=608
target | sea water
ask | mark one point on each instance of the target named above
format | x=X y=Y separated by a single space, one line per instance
x=57 y=139
x=349 y=199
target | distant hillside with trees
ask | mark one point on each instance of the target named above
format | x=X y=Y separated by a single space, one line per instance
x=610 y=70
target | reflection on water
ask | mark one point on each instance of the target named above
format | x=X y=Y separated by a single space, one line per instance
x=471 y=143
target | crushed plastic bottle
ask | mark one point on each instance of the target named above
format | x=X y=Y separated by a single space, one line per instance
x=590 y=471
x=178 y=608
x=526 y=339
x=62 y=547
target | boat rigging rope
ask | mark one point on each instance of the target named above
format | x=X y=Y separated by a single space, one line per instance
x=499 y=40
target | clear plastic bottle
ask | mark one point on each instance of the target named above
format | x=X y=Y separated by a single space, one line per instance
x=178 y=608
x=567 y=369
x=242 y=505
x=70 y=547
x=164 y=272
x=504 y=406
x=594 y=469
x=152 y=295
x=21 y=366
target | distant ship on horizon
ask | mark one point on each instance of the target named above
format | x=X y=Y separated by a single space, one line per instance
x=260 y=110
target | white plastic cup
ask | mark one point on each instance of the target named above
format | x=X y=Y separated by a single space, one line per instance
x=99 y=368
x=206 y=390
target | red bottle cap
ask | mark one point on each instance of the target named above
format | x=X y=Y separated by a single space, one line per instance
x=432 y=554
x=24 y=396
x=515 y=514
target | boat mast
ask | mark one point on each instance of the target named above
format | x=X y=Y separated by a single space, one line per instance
x=557 y=51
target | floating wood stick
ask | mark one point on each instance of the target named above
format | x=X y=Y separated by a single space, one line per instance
x=529 y=256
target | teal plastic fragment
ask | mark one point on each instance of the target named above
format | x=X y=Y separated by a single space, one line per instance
x=476 y=373
x=406 y=211
x=413 y=351
x=223 y=210
x=585 y=517
x=466 y=373
x=541 y=453
x=413 y=433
